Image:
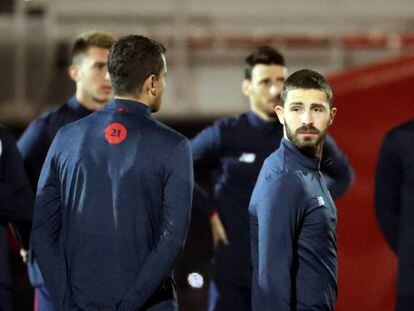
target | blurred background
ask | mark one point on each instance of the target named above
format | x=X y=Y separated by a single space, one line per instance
x=366 y=48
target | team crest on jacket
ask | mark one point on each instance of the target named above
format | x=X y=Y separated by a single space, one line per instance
x=115 y=133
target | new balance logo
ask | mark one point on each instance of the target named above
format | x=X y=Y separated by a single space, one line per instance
x=321 y=201
x=247 y=157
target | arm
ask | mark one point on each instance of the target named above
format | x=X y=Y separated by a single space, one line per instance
x=205 y=149
x=278 y=205
x=177 y=193
x=33 y=146
x=338 y=173
x=388 y=181
x=16 y=197
x=206 y=153
x=47 y=223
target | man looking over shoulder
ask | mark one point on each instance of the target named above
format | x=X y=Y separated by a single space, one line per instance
x=293 y=217
x=235 y=148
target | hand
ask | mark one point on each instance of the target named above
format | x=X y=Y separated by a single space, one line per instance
x=217 y=229
x=24 y=254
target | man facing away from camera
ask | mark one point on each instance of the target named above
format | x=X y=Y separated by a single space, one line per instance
x=293 y=217
x=114 y=196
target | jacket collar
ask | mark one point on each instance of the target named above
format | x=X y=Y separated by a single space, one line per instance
x=309 y=162
x=128 y=106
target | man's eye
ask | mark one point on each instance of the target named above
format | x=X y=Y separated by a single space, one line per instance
x=295 y=109
x=100 y=66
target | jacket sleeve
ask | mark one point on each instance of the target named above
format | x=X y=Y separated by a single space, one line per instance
x=47 y=224
x=337 y=171
x=205 y=148
x=177 y=197
x=16 y=197
x=33 y=145
x=279 y=205
x=388 y=180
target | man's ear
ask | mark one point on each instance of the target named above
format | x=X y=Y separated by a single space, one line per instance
x=333 y=114
x=245 y=87
x=73 y=72
x=150 y=85
x=280 y=114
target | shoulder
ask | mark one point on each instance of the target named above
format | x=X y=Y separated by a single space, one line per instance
x=399 y=138
x=232 y=122
x=401 y=130
x=276 y=176
x=168 y=133
x=49 y=117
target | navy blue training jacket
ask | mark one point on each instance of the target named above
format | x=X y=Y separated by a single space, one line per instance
x=394 y=205
x=293 y=223
x=112 y=211
x=34 y=144
x=16 y=199
x=236 y=148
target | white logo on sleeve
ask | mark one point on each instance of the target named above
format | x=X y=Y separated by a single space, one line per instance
x=1 y=148
x=321 y=201
x=247 y=157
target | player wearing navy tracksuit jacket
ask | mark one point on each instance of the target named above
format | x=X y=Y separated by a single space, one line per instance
x=114 y=196
x=293 y=234
x=293 y=217
x=16 y=199
x=235 y=148
x=394 y=205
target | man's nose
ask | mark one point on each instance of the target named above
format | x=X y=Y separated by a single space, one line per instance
x=307 y=117
x=274 y=90
x=107 y=78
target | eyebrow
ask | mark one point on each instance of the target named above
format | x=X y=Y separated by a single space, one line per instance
x=296 y=104
x=313 y=105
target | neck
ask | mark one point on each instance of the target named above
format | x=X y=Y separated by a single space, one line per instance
x=133 y=98
x=309 y=151
x=88 y=102
x=262 y=115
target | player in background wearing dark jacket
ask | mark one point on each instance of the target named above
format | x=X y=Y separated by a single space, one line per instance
x=236 y=147
x=88 y=70
x=113 y=202
x=394 y=205
x=293 y=217
x=16 y=200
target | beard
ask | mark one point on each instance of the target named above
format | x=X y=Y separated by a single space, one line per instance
x=306 y=145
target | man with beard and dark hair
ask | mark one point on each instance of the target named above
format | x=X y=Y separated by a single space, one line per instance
x=93 y=90
x=235 y=149
x=114 y=196
x=293 y=217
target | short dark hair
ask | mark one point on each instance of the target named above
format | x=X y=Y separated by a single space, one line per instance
x=265 y=55
x=132 y=59
x=306 y=79
x=86 y=40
